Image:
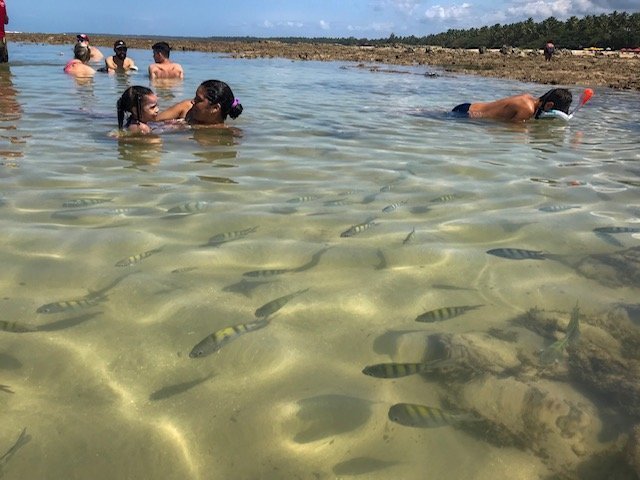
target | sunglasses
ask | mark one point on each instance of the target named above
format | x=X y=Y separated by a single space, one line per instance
x=120 y=49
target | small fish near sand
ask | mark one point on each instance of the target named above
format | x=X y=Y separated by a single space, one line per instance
x=16 y=327
x=393 y=207
x=84 y=202
x=189 y=208
x=445 y=198
x=422 y=416
x=359 y=228
x=399 y=370
x=616 y=230
x=445 y=313
x=409 y=236
x=554 y=352
x=135 y=259
x=274 y=305
x=22 y=440
x=557 y=208
x=221 y=238
x=518 y=254
x=90 y=300
x=218 y=339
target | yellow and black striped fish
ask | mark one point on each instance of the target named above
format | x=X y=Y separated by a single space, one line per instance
x=268 y=273
x=398 y=370
x=134 y=259
x=214 y=342
x=359 y=228
x=614 y=230
x=65 y=305
x=445 y=313
x=274 y=305
x=422 y=416
x=303 y=199
x=15 y=327
x=221 y=238
x=393 y=207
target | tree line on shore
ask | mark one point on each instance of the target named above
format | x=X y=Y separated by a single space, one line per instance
x=615 y=30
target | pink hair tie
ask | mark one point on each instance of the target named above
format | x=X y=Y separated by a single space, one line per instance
x=235 y=103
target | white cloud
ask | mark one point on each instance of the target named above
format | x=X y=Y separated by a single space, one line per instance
x=267 y=24
x=324 y=25
x=454 y=12
x=556 y=8
x=373 y=27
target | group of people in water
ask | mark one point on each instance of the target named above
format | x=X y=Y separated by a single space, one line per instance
x=214 y=101
x=137 y=107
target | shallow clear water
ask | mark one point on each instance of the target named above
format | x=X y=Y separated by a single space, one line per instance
x=106 y=389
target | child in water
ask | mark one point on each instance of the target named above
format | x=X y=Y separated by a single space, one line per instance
x=214 y=101
x=142 y=105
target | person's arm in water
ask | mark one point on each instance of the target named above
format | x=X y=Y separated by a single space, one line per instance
x=179 y=110
x=110 y=64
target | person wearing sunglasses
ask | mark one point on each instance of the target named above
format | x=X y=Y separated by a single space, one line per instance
x=96 y=55
x=119 y=62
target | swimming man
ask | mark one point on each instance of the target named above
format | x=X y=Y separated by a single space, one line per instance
x=519 y=107
x=96 y=55
x=164 y=68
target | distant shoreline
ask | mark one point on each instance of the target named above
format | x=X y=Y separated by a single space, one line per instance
x=609 y=69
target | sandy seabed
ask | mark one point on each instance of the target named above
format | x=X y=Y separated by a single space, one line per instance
x=617 y=70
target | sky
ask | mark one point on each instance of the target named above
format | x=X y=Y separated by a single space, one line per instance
x=290 y=18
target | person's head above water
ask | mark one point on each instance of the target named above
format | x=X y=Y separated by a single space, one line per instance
x=120 y=48
x=555 y=99
x=140 y=102
x=214 y=101
x=161 y=47
x=82 y=52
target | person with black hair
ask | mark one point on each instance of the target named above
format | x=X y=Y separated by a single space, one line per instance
x=214 y=101
x=119 y=62
x=142 y=106
x=163 y=67
x=96 y=55
x=518 y=107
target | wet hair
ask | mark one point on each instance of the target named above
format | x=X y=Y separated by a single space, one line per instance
x=132 y=97
x=219 y=92
x=561 y=98
x=163 y=48
x=82 y=53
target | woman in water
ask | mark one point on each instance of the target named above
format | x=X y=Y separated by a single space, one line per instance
x=214 y=101
x=142 y=105
x=78 y=66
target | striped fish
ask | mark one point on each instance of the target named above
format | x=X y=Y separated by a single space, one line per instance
x=557 y=208
x=275 y=305
x=268 y=273
x=15 y=327
x=398 y=370
x=422 y=416
x=359 y=228
x=190 y=207
x=336 y=203
x=410 y=236
x=444 y=198
x=87 y=301
x=445 y=313
x=84 y=202
x=303 y=199
x=611 y=230
x=517 y=254
x=393 y=206
x=221 y=238
x=134 y=259
x=214 y=342
x=66 y=305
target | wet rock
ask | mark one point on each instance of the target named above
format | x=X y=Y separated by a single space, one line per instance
x=632 y=452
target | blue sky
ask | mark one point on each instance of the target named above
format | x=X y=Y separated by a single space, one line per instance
x=277 y=18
